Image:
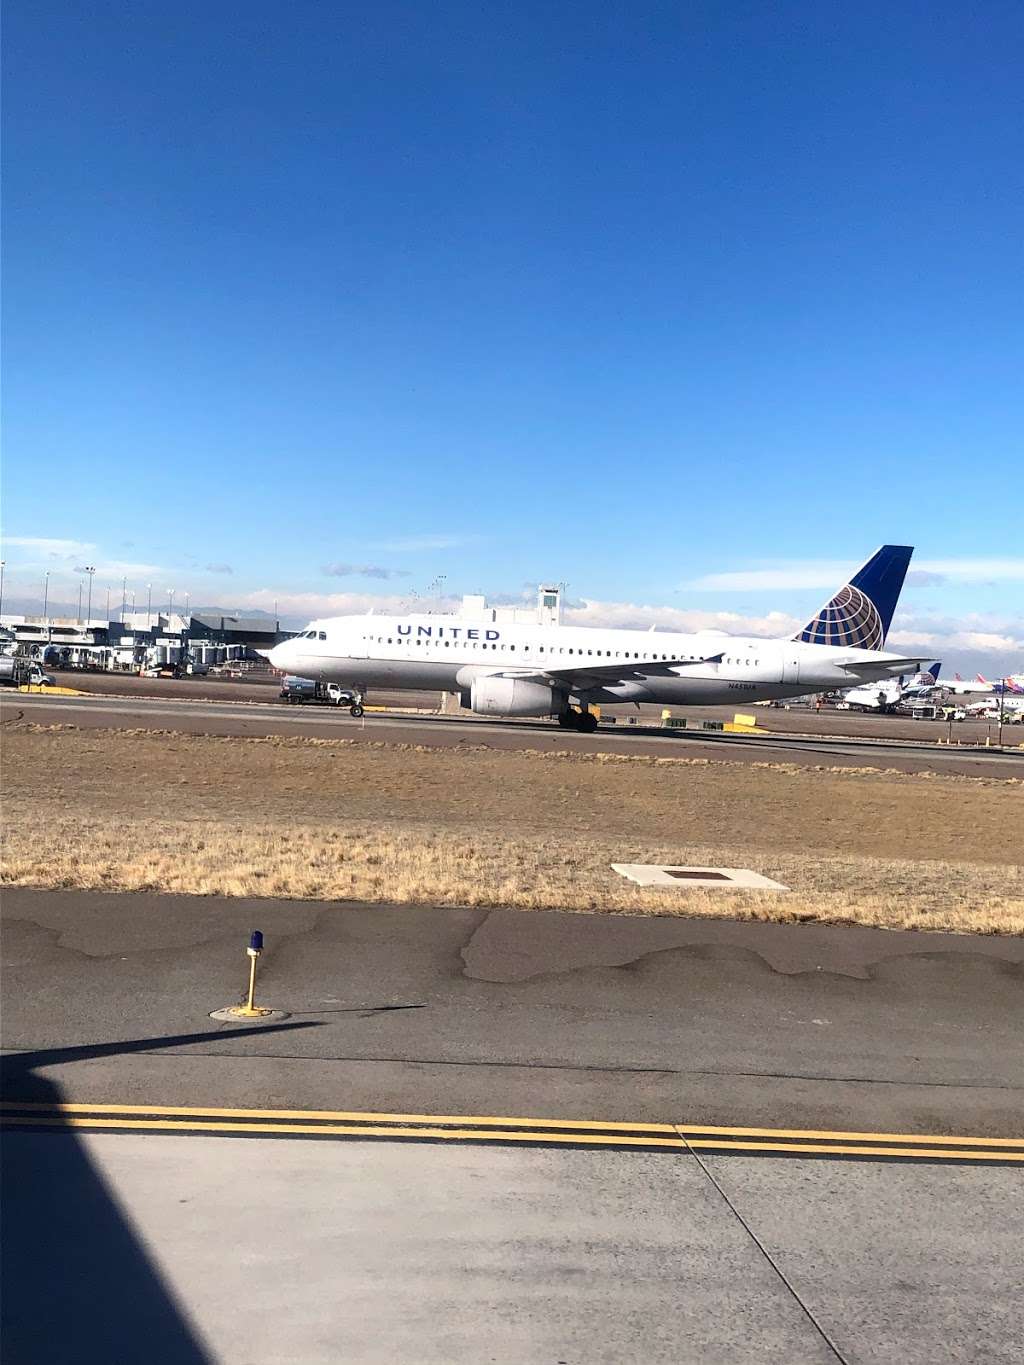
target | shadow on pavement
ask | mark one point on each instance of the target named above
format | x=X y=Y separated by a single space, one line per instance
x=77 y=1284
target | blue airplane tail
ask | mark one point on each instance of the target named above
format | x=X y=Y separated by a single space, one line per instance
x=861 y=611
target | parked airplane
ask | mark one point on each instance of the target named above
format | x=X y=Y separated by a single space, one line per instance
x=959 y=687
x=547 y=670
x=1014 y=683
x=891 y=692
x=923 y=684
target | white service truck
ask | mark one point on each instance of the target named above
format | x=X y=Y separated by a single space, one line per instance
x=299 y=690
x=15 y=672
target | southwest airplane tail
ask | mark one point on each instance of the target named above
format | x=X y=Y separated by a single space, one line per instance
x=861 y=611
x=1008 y=684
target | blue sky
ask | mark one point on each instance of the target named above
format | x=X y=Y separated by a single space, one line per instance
x=689 y=306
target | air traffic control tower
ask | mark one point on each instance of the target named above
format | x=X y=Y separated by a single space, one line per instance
x=547 y=612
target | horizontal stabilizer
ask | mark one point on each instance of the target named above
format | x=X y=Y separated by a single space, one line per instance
x=887 y=663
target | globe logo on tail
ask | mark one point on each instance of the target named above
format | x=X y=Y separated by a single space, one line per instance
x=851 y=618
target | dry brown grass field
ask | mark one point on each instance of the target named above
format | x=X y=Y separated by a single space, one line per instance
x=340 y=820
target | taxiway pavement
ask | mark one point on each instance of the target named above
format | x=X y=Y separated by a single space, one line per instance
x=259 y=719
x=417 y=1009
x=216 y=1230
x=192 y=1249
x=150 y=1208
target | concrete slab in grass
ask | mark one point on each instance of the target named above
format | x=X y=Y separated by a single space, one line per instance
x=713 y=878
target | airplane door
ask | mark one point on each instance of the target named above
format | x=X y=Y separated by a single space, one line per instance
x=791 y=667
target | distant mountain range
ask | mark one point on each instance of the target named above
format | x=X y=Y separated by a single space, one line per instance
x=32 y=606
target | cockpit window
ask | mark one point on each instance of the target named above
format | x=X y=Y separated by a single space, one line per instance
x=323 y=635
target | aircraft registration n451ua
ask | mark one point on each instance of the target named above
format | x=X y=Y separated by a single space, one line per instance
x=547 y=670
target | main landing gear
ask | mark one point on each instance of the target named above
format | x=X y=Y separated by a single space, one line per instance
x=583 y=720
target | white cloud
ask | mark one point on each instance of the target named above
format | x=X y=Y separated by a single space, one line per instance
x=987 y=641
x=123 y=568
x=60 y=556
x=315 y=604
x=812 y=574
x=980 y=639
x=409 y=544
x=342 y=570
x=1008 y=570
x=619 y=615
x=632 y=616
x=50 y=547
x=966 y=634
x=829 y=574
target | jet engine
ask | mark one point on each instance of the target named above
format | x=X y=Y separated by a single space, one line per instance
x=494 y=696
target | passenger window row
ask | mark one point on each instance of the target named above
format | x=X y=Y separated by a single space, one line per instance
x=551 y=649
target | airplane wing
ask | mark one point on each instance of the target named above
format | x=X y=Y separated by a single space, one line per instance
x=582 y=676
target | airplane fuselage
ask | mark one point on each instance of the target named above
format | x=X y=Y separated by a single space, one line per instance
x=446 y=653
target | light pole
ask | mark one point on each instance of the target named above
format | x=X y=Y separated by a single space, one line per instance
x=107 y=607
x=1002 y=698
x=124 y=597
x=90 y=569
x=170 y=606
x=3 y=565
x=46 y=600
x=79 y=617
x=149 y=606
x=188 y=598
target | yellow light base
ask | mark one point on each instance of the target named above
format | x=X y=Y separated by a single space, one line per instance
x=240 y=1013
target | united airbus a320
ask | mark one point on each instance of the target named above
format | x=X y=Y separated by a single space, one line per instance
x=561 y=671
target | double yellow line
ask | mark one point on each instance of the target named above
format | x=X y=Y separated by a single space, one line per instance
x=677 y=1137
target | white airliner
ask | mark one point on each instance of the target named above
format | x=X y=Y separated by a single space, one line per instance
x=549 y=670
x=957 y=687
x=885 y=696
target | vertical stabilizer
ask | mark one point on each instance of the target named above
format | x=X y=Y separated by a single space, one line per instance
x=861 y=611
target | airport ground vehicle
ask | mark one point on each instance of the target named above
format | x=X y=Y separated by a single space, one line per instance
x=948 y=713
x=15 y=672
x=178 y=670
x=297 y=690
x=1011 y=708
